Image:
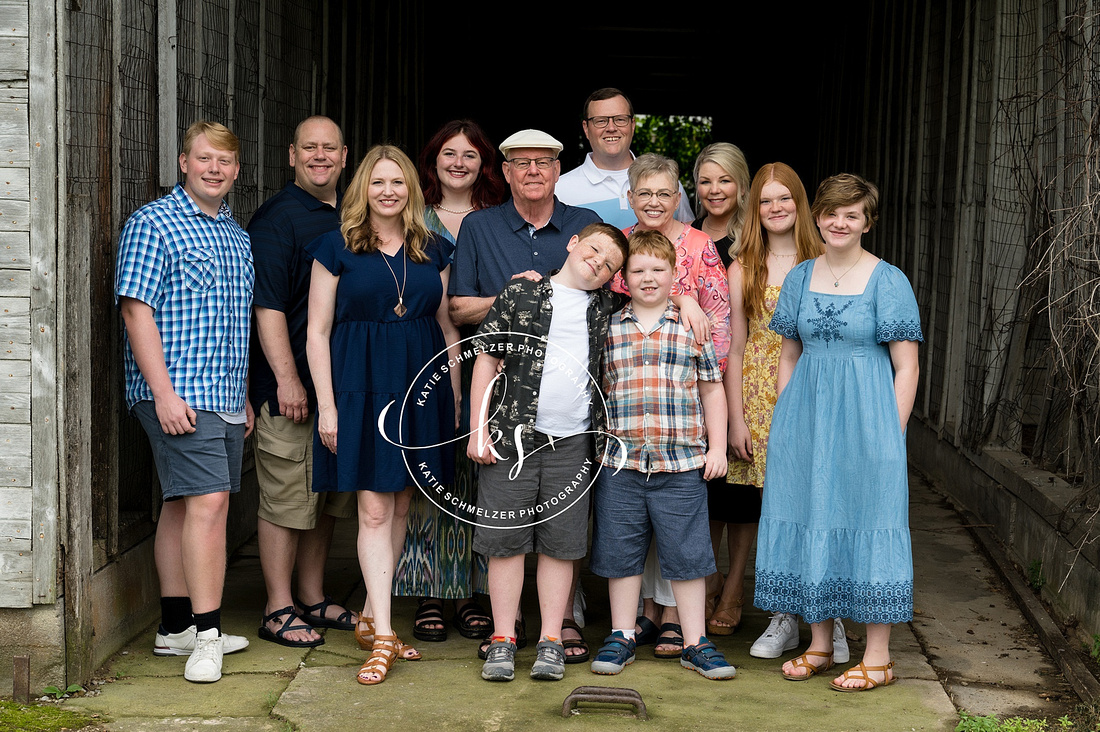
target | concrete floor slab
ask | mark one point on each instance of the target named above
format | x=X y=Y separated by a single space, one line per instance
x=198 y=724
x=968 y=647
x=235 y=695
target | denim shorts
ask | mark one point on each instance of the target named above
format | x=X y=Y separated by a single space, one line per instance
x=207 y=460
x=544 y=509
x=631 y=506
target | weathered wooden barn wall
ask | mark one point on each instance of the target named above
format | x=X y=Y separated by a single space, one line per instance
x=77 y=486
x=977 y=120
x=29 y=497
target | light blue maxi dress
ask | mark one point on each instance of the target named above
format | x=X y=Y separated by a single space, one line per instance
x=834 y=526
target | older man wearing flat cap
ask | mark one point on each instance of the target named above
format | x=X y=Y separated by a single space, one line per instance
x=525 y=235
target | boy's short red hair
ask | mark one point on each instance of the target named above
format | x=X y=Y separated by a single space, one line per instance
x=653 y=243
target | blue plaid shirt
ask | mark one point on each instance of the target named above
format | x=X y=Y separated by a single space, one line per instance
x=196 y=273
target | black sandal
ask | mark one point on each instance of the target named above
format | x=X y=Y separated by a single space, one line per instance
x=650 y=632
x=429 y=612
x=315 y=615
x=671 y=640
x=465 y=616
x=279 y=636
x=568 y=643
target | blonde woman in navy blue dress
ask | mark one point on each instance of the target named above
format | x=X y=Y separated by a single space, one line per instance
x=377 y=317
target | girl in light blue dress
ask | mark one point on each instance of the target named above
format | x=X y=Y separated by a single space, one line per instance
x=834 y=527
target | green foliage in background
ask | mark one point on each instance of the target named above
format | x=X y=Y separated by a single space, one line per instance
x=678 y=137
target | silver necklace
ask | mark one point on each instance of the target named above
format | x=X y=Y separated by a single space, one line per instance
x=441 y=207
x=400 y=308
x=836 y=280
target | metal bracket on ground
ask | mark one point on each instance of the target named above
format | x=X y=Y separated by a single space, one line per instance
x=603 y=695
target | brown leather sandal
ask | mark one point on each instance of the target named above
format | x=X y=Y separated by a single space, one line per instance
x=722 y=614
x=863 y=672
x=385 y=650
x=364 y=632
x=812 y=669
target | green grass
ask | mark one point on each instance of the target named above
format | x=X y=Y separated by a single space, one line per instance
x=990 y=723
x=40 y=718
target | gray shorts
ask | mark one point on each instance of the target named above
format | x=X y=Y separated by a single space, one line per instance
x=207 y=460
x=544 y=509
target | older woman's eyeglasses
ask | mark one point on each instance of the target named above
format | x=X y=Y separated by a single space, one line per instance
x=525 y=163
x=664 y=195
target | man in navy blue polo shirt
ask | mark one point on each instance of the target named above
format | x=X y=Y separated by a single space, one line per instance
x=295 y=524
x=526 y=236
x=529 y=233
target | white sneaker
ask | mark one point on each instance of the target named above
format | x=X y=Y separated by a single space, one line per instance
x=840 y=643
x=183 y=642
x=204 y=665
x=780 y=637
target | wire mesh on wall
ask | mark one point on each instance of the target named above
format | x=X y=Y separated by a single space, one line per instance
x=979 y=124
x=258 y=67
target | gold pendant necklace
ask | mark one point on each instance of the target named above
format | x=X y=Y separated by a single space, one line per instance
x=400 y=308
x=836 y=280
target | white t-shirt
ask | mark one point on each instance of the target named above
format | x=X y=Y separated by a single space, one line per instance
x=566 y=387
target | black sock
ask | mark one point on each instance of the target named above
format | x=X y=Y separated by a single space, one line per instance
x=175 y=614
x=206 y=621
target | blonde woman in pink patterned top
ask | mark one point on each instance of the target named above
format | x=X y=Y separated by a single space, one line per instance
x=654 y=195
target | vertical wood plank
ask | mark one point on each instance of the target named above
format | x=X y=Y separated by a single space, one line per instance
x=43 y=300
x=167 y=41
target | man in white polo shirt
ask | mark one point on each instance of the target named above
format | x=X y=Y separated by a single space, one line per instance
x=600 y=182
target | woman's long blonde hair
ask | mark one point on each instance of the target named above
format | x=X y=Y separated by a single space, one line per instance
x=355 y=226
x=730 y=159
x=754 y=238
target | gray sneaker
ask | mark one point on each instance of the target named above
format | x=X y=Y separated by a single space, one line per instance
x=550 y=661
x=204 y=665
x=500 y=662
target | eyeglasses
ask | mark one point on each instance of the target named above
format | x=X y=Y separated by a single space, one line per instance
x=620 y=120
x=664 y=195
x=525 y=163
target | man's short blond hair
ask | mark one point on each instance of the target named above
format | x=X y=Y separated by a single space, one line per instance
x=218 y=135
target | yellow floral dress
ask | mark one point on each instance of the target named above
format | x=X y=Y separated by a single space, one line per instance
x=758 y=382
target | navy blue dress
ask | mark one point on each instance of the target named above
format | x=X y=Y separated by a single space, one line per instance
x=376 y=357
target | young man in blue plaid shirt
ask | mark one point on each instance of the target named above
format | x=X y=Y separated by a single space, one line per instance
x=184 y=285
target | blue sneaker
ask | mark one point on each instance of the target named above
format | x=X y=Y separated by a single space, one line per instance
x=617 y=653
x=707 y=660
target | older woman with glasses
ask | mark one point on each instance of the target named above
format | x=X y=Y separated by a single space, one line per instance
x=654 y=195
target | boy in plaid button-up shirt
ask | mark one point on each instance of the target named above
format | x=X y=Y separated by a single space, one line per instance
x=184 y=285
x=666 y=406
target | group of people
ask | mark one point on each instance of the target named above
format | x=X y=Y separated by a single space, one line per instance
x=475 y=376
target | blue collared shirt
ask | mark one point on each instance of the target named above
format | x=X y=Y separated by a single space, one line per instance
x=496 y=243
x=195 y=272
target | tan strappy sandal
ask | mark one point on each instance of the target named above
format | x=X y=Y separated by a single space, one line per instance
x=722 y=614
x=385 y=650
x=863 y=672
x=364 y=632
x=812 y=669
